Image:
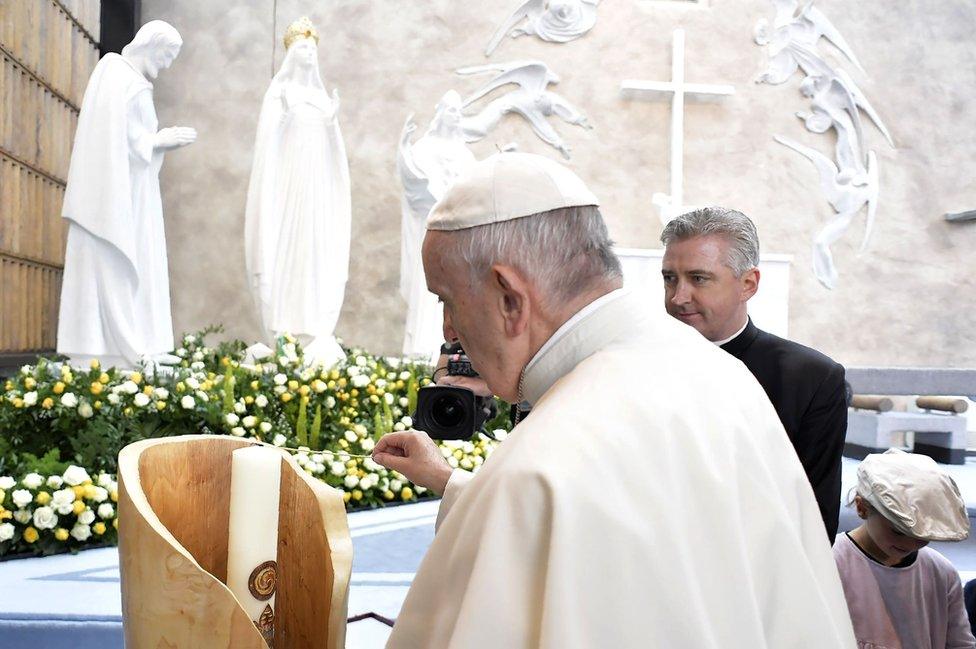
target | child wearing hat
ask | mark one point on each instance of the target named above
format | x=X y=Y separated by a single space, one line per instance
x=901 y=594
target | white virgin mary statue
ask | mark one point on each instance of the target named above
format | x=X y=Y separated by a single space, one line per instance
x=427 y=168
x=297 y=219
x=115 y=292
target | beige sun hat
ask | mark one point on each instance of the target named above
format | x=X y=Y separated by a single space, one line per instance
x=508 y=186
x=914 y=495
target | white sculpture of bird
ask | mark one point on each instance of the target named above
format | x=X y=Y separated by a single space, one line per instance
x=531 y=100
x=557 y=21
x=803 y=24
x=847 y=191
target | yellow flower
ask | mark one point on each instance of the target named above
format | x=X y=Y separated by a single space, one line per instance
x=114 y=495
x=207 y=385
x=19 y=403
x=160 y=405
x=58 y=388
x=293 y=384
x=94 y=364
x=286 y=397
x=248 y=399
x=180 y=387
x=458 y=454
x=47 y=404
x=68 y=377
x=357 y=494
x=78 y=507
x=319 y=386
x=9 y=385
x=79 y=491
x=345 y=498
x=90 y=492
x=360 y=473
x=61 y=534
x=97 y=405
x=350 y=464
x=98 y=528
x=374 y=399
x=225 y=361
x=30 y=383
x=334 y=374
x=255 y=385
x=3 y=495
x=136 y=378
x=331 y=385
x=5 y=514
x=406 y=493
x=343 y=443
x=388 y=495
x=399 y=384
x=115 y=523
x=342 y=382
x=103 y=378
x=127 y=412
x=211 y=376
x=147 y=390
x=31 y=535
x=304 y=390
x=96 y=388
x=354 y=392
x=42 y=498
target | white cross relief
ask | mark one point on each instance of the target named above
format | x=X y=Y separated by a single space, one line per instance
x=671 y=205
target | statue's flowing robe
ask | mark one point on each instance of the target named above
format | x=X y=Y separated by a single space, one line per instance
x=115 y=291
x=652 y=499
x=298 y=216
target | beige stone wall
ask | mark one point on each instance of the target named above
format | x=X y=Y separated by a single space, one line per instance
x=909 y=300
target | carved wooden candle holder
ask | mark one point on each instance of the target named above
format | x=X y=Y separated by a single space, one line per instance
x=174 y=496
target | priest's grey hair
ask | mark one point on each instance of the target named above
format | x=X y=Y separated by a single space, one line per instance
x=565 y=251
x=736 y=226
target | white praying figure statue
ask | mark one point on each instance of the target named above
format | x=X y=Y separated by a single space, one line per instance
x=298 y=213
x=115 y=292
x=427 y=168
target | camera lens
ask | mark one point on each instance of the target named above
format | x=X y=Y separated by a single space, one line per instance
x=447 y=411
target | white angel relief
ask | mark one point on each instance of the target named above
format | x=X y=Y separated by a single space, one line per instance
x=530 y=99
x=556 y=21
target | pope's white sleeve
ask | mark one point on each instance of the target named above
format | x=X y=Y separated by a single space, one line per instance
x=455 y=485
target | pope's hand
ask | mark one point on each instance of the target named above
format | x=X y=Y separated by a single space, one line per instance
x=416 y=456
x=175 y=136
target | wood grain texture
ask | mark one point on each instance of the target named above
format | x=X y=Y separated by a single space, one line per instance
x=173 y=523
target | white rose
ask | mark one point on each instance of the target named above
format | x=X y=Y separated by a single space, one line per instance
x=181 y=352
x=265 y=426
x=192 y=383
x=365 y=483
x=75 y=475
x=86 y=517
x=404 y=375
x=238 y=431
x=197 y=356
x=232 y=419
x=407 y=422
x=317 y=457
x=106 y=511
x=371 y=465
x=63 y=500
x=352 y=370
x=22 y=497
x=395 y=485
x=189 y=339
x=368 y=444
x=129 y=387
x=161 y=393
x=45 y=518
x=55 y=482
x=69 y=400
x=453 y=462
x=361 y=361
x=250 y=421
x=104 y=480
x=203 y=396
x=32 y=480
x=280 y=379
x=350 y=481
x=399 y=426
x=261 y=401
x=85 y=410
x=100 y=494
x=337 y=468
x=360 y=381
x=350 y=436
x=141 y=400
x=404 y=402
x=307 y=375
x=389 y=398
x=30 y=398
x=240 y=408
x=22 y=516
x=330 y=402
x=81 y=532
x=499 y=434
x=279 y=440
x=188 y=402
x=6 y=532
x=280 y=389
x=113 y=399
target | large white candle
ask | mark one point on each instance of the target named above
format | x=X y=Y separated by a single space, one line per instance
x=252 y=545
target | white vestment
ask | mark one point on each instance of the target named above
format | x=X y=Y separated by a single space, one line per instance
x=298 y=213
x=115 y=292
x=427 y=169
x=651 y=499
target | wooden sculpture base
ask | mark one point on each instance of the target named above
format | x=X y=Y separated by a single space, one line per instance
x=174 y=496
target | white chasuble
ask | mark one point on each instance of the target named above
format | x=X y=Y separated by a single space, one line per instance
x=115 y=292
x=651 y=499
x=297 y=219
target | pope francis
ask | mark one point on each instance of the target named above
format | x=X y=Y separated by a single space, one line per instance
x=652 y=498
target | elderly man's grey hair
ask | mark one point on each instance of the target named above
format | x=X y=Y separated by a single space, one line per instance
x=732 y=224
x=565 y=251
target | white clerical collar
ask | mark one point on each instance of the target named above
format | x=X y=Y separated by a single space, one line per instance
x=719 y=343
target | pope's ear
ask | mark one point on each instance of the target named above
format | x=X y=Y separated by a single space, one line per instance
x=750 y=283
x=512 y=292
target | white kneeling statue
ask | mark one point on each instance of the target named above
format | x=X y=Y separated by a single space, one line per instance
x=115 y=293
x=427 y=168
x=297 y=219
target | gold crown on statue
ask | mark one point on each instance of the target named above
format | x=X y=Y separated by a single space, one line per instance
x=301 y=28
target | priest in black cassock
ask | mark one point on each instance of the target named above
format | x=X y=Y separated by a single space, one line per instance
x=710 y=272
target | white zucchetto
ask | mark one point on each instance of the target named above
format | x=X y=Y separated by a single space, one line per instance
x=914 y=495
x=508 y=186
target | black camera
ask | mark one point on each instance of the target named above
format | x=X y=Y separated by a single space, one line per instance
x=450 y=411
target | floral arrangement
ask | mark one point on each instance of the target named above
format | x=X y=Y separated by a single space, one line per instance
x=64 y=423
